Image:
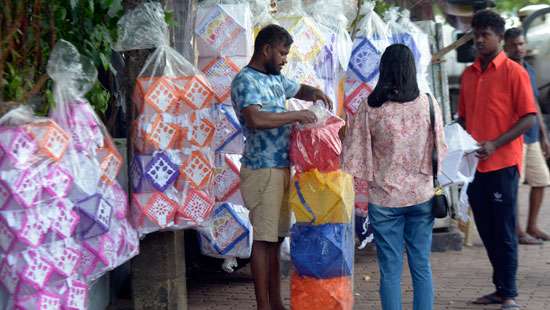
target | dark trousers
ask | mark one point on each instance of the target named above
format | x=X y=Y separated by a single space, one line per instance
x=493 y=198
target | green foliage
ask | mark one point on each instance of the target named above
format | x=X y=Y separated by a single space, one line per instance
x=90 y=25
x=382 y=6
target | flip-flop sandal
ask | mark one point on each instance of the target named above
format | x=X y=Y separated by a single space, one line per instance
x=513 y=306
x=543 y=236
x=529 y=240
x=489 y=299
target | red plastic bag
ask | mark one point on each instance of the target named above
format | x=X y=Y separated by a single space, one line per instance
x=318 y=146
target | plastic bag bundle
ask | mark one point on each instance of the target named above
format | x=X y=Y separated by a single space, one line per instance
x=322 y=239
x=460 y=165
x=370 y=41
x=63 y=221
x=173 y=135
x=404 y=31
x=332 y=62
x=224 y=29
x=223 y=52
x=308 y=44
x=317 y=147
x=229 y=233
x=228 y=27
x=261 y=14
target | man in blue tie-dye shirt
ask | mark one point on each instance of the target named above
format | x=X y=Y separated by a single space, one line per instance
x=258 y=94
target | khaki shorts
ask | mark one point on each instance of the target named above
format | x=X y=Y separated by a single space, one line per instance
x=535 y=170
x=265 y=194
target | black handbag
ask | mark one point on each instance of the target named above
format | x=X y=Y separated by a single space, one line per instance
x=440 y=205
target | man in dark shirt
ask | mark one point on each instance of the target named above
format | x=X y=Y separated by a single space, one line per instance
x=536 y=147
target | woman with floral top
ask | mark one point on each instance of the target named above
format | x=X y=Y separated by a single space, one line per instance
x=389 y=143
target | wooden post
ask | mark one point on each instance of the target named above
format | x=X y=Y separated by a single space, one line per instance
x=158 y=272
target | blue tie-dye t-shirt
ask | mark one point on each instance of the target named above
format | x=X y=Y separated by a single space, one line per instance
x=264 y=148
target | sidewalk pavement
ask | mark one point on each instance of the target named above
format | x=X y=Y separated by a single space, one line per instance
x=459 y=277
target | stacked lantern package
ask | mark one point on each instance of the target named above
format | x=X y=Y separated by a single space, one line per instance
x=174 y=132
x=225 y=45
x=322 y=199
x=63 y=218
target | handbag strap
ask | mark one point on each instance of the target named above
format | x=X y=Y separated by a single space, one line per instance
x=434 y=151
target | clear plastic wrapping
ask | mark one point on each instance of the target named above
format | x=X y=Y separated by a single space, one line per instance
x=459 y=165
x=404 y=31
x=224 y=29
x=229 y=233
x=318 y=146
x=332 y=62
x=322 y=239
x=370 y=41
x=308 y=44
x=173 y=135
x=225 y=44
x=63 y=217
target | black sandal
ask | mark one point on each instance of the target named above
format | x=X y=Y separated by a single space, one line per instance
x=489 y=299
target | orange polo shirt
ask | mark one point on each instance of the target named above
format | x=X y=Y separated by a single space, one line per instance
x=492 y=102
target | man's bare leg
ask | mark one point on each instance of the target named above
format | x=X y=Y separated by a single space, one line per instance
x=259 y=263
x=535 y=202
x=275 y=298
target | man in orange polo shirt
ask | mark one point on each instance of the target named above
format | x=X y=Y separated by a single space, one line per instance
x=497 y=106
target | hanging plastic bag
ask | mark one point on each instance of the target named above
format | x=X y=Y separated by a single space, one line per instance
x=262 y=14
x=94 y=163
x=229 y=233
x=317 y=146
x=370 y=41
x=405 y=32
x=308 y=44
x=37 y=221
x=224 y=29
x=225 y=43
x=332 y=62
x=459 y=165
x=174 y=133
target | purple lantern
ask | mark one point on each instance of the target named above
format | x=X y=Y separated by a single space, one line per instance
x=18 y=145
x=95 y=216
x=161 y=172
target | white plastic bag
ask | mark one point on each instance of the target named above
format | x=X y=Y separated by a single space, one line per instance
x=460 y=164
x=173 y=136
x=370 y=41
x=224 y=29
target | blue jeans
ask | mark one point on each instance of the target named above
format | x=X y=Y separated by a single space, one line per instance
x=393 y=228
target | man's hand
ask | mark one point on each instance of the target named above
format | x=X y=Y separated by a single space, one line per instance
x=545 y=145
x=305 y=117
x=486 y=150
x=309 y=93
x=320 y=95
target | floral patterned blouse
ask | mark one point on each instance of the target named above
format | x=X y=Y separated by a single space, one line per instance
x=391 y=147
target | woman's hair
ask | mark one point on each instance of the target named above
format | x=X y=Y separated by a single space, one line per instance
x=397 y=81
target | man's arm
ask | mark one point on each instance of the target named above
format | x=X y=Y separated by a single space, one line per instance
x=309 y=93
x=489 y=147
x=258 y=119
